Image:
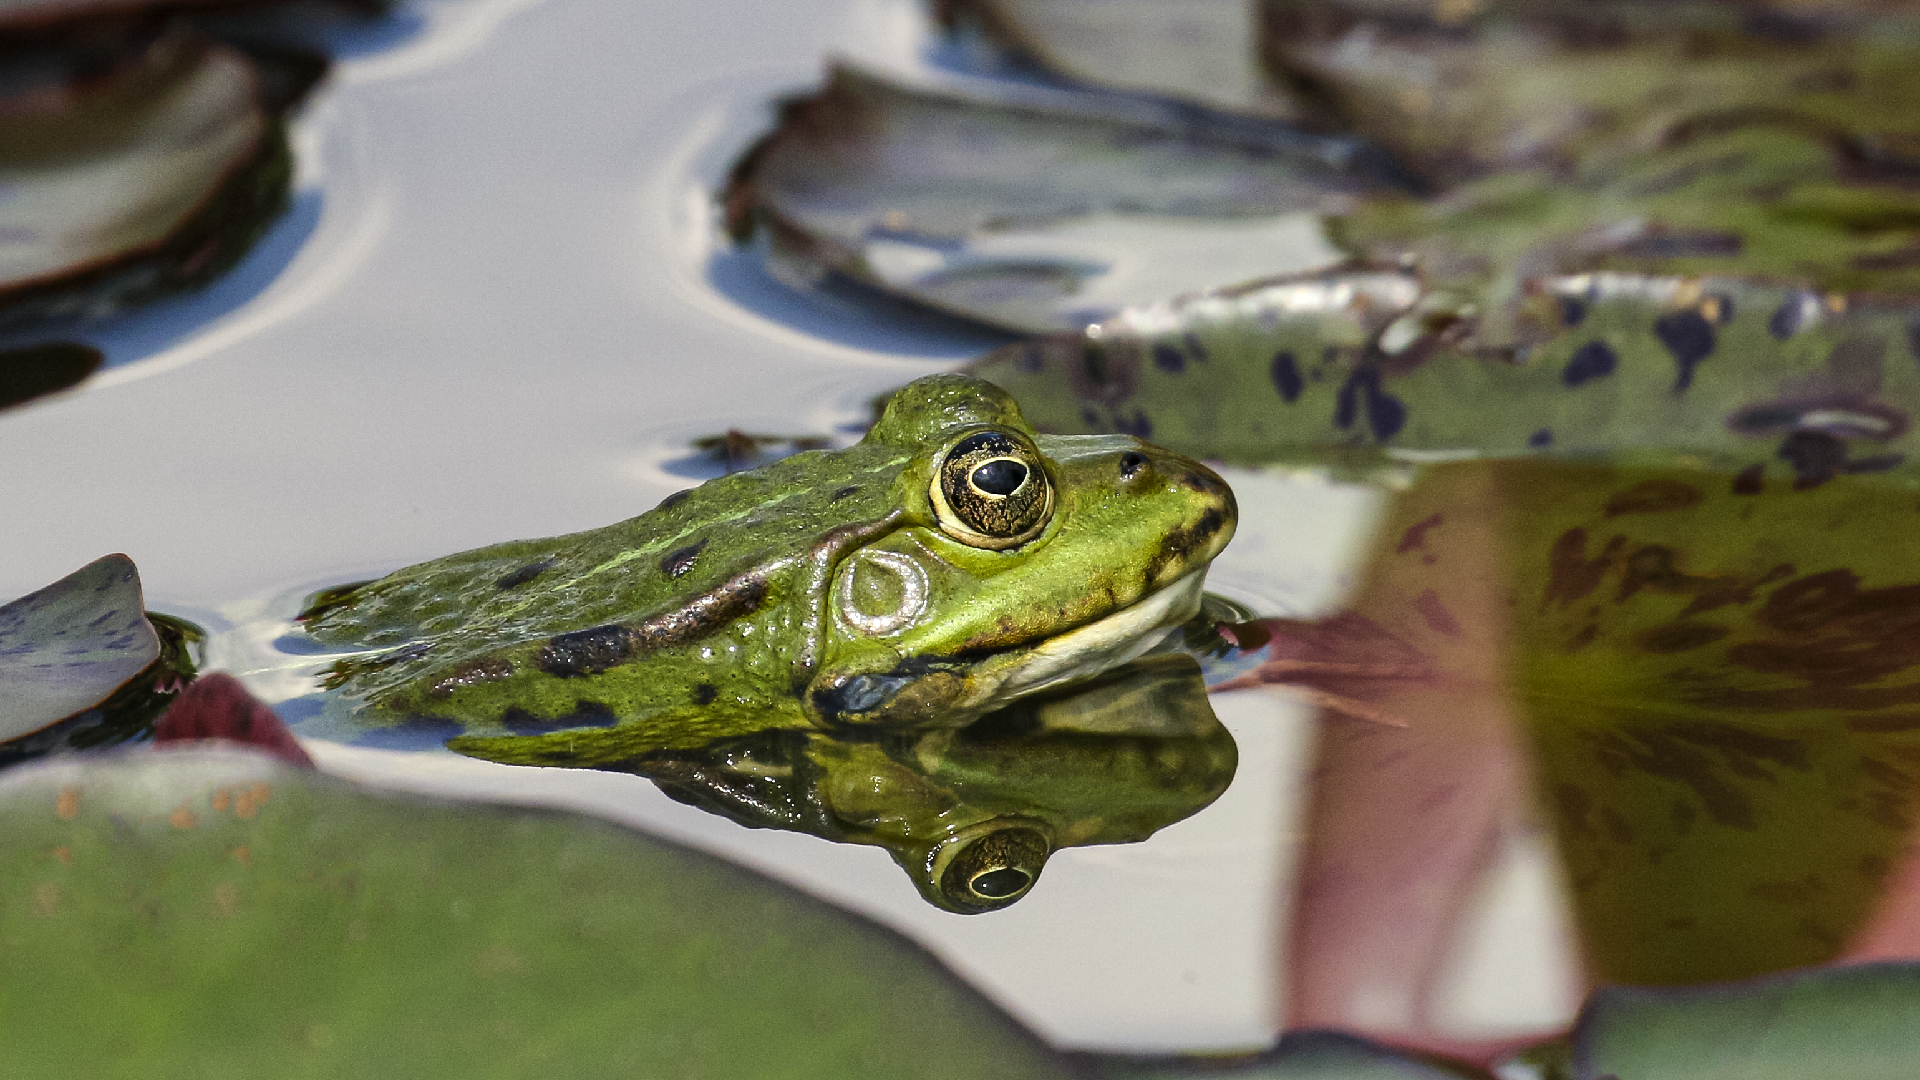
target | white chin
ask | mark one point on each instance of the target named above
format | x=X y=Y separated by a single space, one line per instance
x=1091 y=649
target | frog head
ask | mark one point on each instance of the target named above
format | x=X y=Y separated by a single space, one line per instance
x=1021 y=562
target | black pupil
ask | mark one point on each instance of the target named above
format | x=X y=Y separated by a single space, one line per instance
x=1000 y=883
x=1000 y=477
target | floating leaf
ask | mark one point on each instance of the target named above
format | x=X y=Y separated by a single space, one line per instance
x=1203 y=51
x=235 y=916
x=1779 y=381
x=69 y=646
x=1301 y=1055
x=1855 y=1022
x=149 y=180
x=1038 y=209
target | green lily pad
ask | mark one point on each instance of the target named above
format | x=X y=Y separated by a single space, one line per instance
x=219 y=914
x=1301 y=1055
x=69 y=646
x=152 y=179
x=1857 y=1023
x=1202 y=51
x=1370 y=365
x=1037 y=209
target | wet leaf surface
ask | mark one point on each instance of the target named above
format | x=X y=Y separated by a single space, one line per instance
x=69 y=646
x=148 y=180
x=1854 y=1022
x=1037 y=209
x=1203 y=51
x=235 y=916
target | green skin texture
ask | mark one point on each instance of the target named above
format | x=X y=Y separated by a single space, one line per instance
x=1712 y=172
x=754 y=642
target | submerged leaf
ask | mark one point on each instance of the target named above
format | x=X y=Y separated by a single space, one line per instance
x=1038 y=209
x=228 y=912
x=69 y=646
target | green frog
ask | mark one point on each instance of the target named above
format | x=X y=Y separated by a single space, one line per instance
x=972 y=814
x=951 y=562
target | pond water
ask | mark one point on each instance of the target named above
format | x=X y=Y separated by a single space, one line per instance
x=500 y=307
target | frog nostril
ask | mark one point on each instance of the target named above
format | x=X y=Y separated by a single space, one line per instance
x=1131 y=463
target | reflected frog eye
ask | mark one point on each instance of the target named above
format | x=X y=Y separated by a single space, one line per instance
x=991 y=870
x=992 y=492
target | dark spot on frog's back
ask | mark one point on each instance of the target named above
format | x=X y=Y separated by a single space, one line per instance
x=587 y=652
x=594 y=650
x=705 y=693
x=674 y=499
x=680 y=560
x=517 y=578
x=851 y=489
x=1689 y=337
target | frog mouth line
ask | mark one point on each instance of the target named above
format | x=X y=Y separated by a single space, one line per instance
x=1088 y=650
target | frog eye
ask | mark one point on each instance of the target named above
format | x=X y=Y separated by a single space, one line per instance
x=991 y=491
x=990 y=870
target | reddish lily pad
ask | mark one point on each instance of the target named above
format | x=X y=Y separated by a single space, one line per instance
x=216 y=707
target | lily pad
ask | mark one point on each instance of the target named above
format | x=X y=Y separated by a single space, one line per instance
x=1301 y=1055
x=151 y=179
x=1711 y=687
x=1202 y=51
x=1854 y=1022
x=69 y=646
x=235 y=916
x=1033 y=208
x=1372 y=364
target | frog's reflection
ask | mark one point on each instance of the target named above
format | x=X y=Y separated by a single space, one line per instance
x=972 y=814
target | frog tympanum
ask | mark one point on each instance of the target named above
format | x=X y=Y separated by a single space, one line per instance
x=951 y=562
x=973 y=813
